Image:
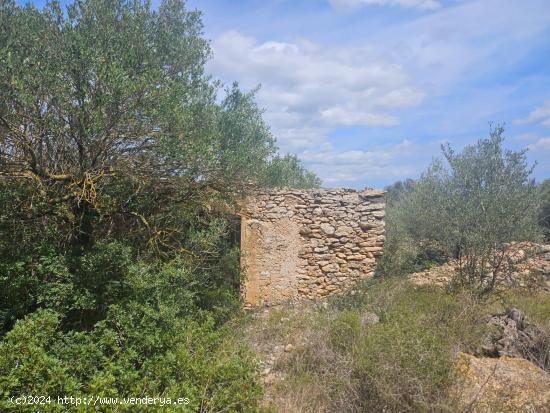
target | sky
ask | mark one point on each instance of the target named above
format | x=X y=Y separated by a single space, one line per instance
x=366 y=91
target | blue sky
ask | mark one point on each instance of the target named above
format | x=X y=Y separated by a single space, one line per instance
x=365 y=91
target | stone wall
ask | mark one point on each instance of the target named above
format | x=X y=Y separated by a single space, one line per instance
x=299 y=244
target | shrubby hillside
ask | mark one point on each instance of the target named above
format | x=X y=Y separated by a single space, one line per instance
x=121 y=163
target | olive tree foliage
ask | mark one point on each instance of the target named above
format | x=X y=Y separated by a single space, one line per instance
x=468 y=209
x=109 y=123
x=287 y=171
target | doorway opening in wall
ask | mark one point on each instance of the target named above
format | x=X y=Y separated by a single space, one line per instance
x=234 y=240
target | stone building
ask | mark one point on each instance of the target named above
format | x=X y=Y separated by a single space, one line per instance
x=298 y=244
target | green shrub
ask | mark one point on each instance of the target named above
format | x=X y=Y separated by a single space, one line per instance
x=128 y=357
x=27 y=365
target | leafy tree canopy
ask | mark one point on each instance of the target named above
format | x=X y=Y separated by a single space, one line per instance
x=468 y=208
x=109 y=122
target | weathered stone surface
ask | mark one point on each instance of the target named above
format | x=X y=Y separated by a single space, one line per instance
x=330 y=268
x=366 y=225
x=343 y=231
x=505 y=384
x=514 y=336
x=527 y=266
x=308 y=243
x=327 y=229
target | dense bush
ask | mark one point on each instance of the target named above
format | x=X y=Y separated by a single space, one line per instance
x=135 y=352
x=138 y=329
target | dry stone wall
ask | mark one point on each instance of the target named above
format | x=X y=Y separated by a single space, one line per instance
x=307 y=244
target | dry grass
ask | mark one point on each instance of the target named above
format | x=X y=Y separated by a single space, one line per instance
x=342 y=362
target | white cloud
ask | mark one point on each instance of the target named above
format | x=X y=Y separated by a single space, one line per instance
x=448 y=48
x=525 y=137
x=308 y=90
x=349 y=117
x=311 y=89
x=541 y=144
x=541 y=113
x=383 y=163
x=354 y=4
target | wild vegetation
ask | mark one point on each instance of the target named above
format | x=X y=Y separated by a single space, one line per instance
x=121 y=161
x=390 y=345
x=468 y=209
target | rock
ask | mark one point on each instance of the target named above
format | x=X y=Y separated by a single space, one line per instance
x=504 y=384
x=368 y=319
x=515 y=336
x=374 y=207
x=330 y=268
x=305 y=232
x=365 y=226
x=343 y=231
x=327 y=229
x=517 y=316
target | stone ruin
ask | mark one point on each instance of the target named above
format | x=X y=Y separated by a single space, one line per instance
x=308 y=244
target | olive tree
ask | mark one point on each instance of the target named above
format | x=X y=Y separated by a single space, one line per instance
x=108 y=121
x=112 y=133
x=473 y=205
x=288 y=171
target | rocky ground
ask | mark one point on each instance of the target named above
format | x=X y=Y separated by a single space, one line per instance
x=531 y=262
x=505 y=375
x=504 y=385
x=509 y=371
x=268 y=336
